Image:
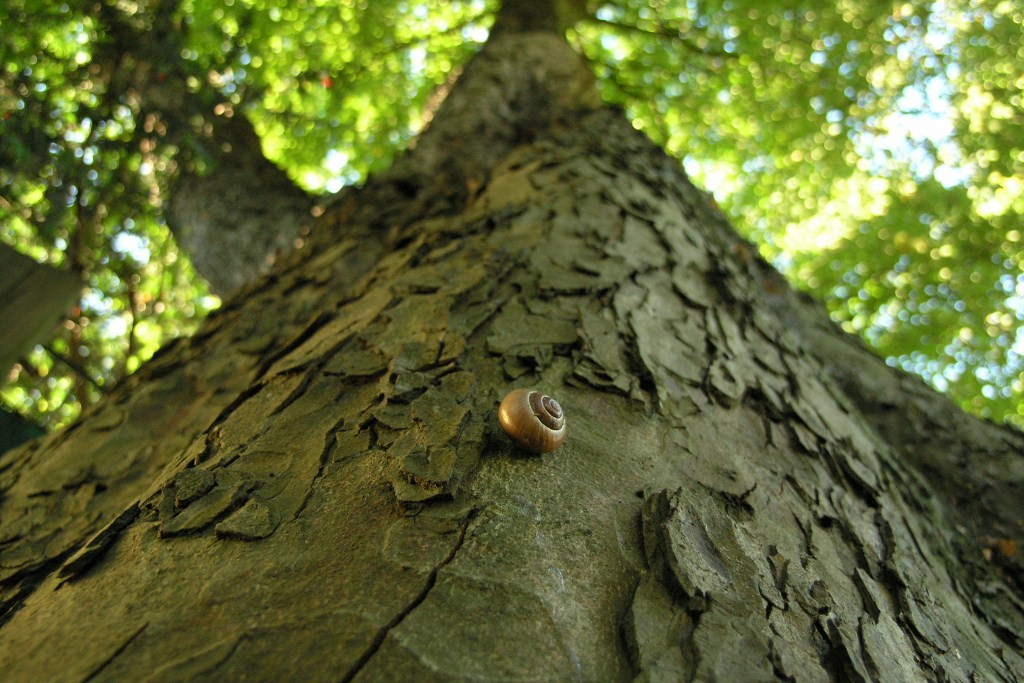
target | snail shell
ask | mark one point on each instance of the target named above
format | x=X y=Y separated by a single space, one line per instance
x=534 y=420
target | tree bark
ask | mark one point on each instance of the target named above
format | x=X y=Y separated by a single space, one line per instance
x=33 y=299
x=236 y=218
x=315 y=486
x=232 y=210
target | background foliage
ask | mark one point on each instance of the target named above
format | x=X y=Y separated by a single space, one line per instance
x=874 y=150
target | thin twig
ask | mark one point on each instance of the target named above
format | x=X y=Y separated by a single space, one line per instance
x=72 y=365
x=672 y=34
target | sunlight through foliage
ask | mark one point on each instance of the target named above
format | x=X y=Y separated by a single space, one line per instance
x=873 y=150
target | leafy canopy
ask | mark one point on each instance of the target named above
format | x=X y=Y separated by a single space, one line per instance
x=874 y=150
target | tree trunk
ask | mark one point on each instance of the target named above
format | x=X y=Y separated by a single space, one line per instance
x=33 y=300
x=315 y=486
x=239 y=216
x=230 y=208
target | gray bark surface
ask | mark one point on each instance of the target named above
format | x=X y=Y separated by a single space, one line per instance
x=315 y=487
x=232 y=210
x=239 y=216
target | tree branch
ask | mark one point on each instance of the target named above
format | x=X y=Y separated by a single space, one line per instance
x=674 y=35
x=72 y=365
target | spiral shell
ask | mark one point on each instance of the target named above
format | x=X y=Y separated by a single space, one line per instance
x=534 y=420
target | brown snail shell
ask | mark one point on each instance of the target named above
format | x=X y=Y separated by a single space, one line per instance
x=534 y=420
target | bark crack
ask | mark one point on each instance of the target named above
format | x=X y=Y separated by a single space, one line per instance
x=330 y=443
x=382 y=634
x=23 y=583
x=311 y=328
x=91 y=552
x=115 y=654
